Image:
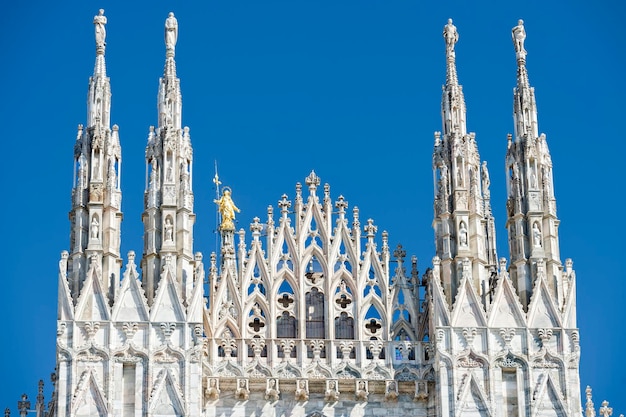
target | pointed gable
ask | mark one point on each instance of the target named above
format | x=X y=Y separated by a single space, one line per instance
x=542 y=312
x=506 y=310
x=196 y=305
x=569 y=309
x=166 y=400
x=473 y=402
x=130 y=304
x=440 y=309
x=167 y=306
x=88 y=399
x=467 y=310
x=92 y=305
x=549 y=402
x=66 y=306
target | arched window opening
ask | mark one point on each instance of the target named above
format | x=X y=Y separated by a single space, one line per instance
x=286 y=326
x=344 y=327
x=315 y=315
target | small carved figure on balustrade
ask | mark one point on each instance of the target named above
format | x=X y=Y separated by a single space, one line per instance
x=361 y=392
x=302 y=391
x=213 y=390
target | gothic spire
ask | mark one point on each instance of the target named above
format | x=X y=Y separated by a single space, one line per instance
x=170 y=100
x=531 y=207
x=168 y=216
x=453 y=102
x=96 y=197
x=519 y=36
x=98 y=102
x=464 y=227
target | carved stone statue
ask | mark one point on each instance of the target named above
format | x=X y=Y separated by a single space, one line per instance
x=302 y=391
x=242 y=392
x=169 y=230
x=95 y=228
x=462 y=235
x=272 y=393
x=536 y=235
x=332 y=393
x=459 y=176
x=227 y=210
x=485 y=176
x=443 y=180
x=171 y=32
x=391 y=391
x=361 y=392
x=450 y=35
x=212 y=390
x=519 y=35
x=99 y=22
x=63 y=263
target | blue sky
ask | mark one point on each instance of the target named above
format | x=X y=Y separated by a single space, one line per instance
x=273 y=89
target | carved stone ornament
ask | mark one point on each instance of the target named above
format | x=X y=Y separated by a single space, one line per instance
x=212 y=391
x=332 y=390
x=272 y=393
x=391 y=390
x=242 y=392
x=421 y=391
x=302 y=389
x=361 y=392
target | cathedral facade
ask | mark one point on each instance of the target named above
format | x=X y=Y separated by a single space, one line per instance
x=306 y=316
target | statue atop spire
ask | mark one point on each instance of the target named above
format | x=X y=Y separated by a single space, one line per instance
x=519 y=35
x=227 y=209
x=99 y=22
x=451 y=36
x=171 y=34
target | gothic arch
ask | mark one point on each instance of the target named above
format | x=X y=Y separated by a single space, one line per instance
x=309 y=253
x=285 y=276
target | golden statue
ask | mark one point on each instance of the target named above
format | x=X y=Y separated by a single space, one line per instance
x=227 y=209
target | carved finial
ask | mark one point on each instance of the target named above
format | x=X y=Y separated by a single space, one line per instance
x=171 y=34
x=131 y=257
x=341 y=204
x=227 y=210
x=284 y=205
x=23 y=405
x=589 y=410
x=256 y=227
x=312 y=181
x=40 y=392
x=399 y=253
x=99 y=22
x=370 y=229
x=605 y=410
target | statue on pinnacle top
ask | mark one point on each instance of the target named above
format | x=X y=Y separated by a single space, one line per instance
x=519 y=35
x=171 y=32
x=450 y=35
x=227 y=210
x=99 y=22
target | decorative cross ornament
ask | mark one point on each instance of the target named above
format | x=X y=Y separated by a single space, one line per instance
x=373 y=326
x=343 y=301
x=285 y=300
x=605 y=410
x=256 y=324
